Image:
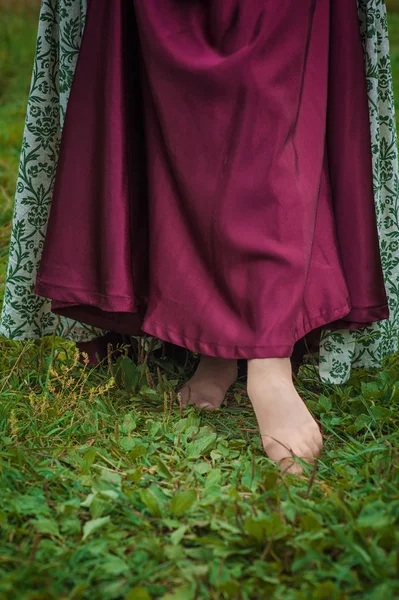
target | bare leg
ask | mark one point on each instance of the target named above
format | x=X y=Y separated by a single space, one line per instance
x=286 y=426
x=210 y=383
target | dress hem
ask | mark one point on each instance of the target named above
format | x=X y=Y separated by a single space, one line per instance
x=239 y=352
x=117 y=317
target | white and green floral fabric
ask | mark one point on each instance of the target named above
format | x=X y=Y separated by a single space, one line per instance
x=27 y=316
x=366 y=347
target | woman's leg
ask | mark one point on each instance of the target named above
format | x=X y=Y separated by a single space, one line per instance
x=287 y=428
x=210 y=383
x=214 y=376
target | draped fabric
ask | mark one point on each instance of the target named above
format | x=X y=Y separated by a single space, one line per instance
x=342 y=350
x=260 y=223
x=20 y=330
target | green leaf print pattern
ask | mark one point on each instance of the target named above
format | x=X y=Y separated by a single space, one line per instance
x=367 y=347
x=27 y=316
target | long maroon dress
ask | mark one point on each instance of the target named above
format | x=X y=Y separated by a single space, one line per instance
x=214 y=187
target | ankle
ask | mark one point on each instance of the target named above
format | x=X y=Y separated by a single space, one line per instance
x=273 y=371
x=217 y=365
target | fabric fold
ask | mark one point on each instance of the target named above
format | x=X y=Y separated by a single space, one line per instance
x=214 y=186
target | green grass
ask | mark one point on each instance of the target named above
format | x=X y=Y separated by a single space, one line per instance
x=108 y=490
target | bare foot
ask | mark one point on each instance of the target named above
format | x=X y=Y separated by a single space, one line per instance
x=210 y=383
x=287 y=428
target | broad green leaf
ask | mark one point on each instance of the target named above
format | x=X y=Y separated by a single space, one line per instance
x=88 y=459
x=289 y=510
x=270 y=480
x=46 y=526
x=100 y=506
x=70 y=507
x=213 y=478
x=89 y=499
x=155 y=429
x=70 y=525
x=110 y=477
x=325 y=402
x=202 y=467
x=174 y=552
x=271 y=527
x=110 y=495
x=216 y=455
x=178 y=535
x=394 y=399
x=180 y=593
x=230 y=587
x=127 y=374
x=201 y=446
x=163 y=469
x=250 y=477
x=371 y=390
x=31 y=505
x=134 y=474
x=256 y=528
x=311 y=522
x=126 y=442
x=94 y=525
x=362 y=421
x=151 y=502
x=381 y=413
x=114 y=566
x=374 y=516
x=171 y=523
x=138 y=593
x=137 y=452
x=180 y=426
x=182 y=501
x=128 y=424
x=237 y=444
x=325 y=591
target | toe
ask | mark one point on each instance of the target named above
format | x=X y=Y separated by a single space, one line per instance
x=203 y=401
x=206 y=406
x=289 y=465
x=317 y=443
x=209 y=402
x=276 y=449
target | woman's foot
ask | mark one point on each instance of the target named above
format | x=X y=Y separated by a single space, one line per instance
x=287 y=428
x=210 y=383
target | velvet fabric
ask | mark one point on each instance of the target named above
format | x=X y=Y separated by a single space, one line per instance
x=214 y=187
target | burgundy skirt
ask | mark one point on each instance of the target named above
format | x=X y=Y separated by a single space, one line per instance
x=214 y=187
